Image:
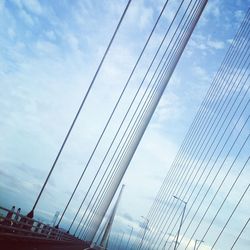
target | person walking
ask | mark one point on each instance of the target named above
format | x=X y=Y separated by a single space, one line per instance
x=10 y=213
x=16 y=218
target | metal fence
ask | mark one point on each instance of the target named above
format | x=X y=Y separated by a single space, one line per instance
x=15 y=224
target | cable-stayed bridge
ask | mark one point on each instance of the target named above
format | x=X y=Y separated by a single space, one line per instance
x=216 y=144
x=200 y=181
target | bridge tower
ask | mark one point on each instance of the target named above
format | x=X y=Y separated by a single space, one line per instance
x=107 y=229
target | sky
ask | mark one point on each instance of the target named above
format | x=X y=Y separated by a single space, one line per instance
x=49 y=52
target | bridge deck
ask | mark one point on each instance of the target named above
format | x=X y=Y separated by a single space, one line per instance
x=15 y=242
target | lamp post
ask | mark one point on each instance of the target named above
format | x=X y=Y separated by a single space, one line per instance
x=146 y=226
x=116 y=239
x=196 y=241
x=121 y=241
x=129 y=236
x=182 y=217
x=170 y=235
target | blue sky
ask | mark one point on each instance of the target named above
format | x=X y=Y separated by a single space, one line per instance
x=49 y=53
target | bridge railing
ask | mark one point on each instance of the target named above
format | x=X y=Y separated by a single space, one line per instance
x=13 y=223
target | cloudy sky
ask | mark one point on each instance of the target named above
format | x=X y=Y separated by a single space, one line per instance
x=49 y=51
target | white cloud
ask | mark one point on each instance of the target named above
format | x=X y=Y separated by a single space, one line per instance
x=166 y=110
x=201 y=73
x=206 y=43
x=171 y=9
x=239 y=14
x=11 y=33
x=26 y=17
x=230 y=41
x=33 y=6
x=146 y=18
x=50 y=35
x=215 y=44
x=73 y=42
x=213 y=8
x=2 y=3
x=140 y=14
x=46 y=47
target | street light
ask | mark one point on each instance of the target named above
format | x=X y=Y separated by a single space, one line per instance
x=116 y=241
x=121 y=241
x=170 y=235
x=146 y=226
x=129 y=236
x=182 y=217
x=196 y=241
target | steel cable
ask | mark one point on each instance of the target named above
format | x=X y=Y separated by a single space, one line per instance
x=192 y=124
